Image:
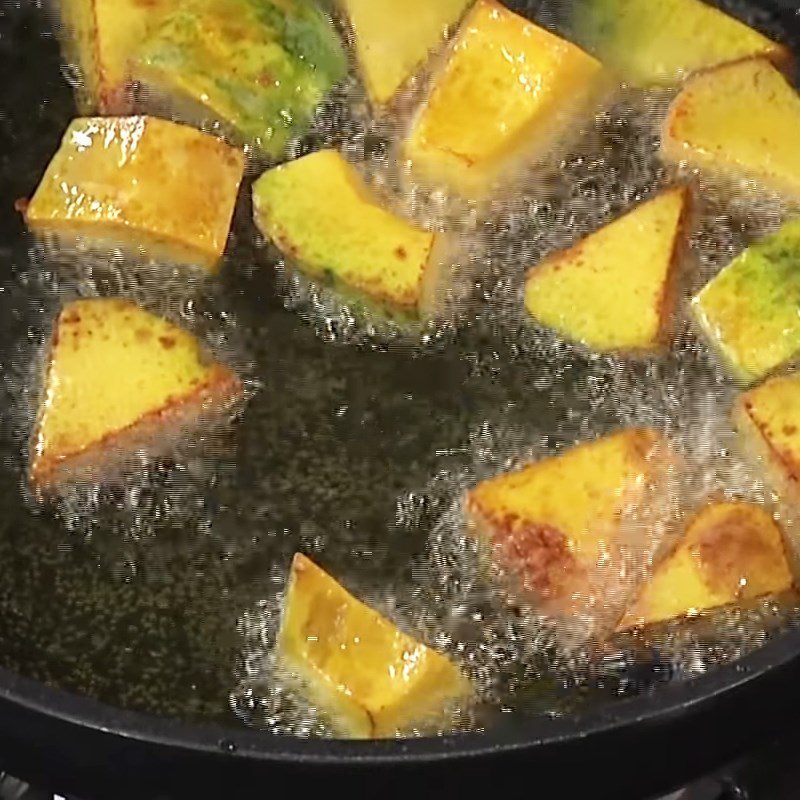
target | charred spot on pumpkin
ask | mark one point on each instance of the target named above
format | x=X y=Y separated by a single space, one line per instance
x=539 y=554
x=401 y=253
x=789 y=430
x=167 y=342
x=73 y=318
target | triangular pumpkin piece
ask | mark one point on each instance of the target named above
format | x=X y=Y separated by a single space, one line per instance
x=731 y=552
x=741 y=120
x=551 y=522
x=613 y=290
x=767 y=419
x=394 y=37
x=119 y=377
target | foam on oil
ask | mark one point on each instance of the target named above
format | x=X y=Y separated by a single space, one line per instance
x=516 y=657
x=360 y=455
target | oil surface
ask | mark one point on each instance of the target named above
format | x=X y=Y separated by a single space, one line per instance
x=358 y=439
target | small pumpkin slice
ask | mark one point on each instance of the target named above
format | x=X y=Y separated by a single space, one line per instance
x=319 y=213
x=730 y=552
x=119 y=379
x=393 y=38
x=768 y=420
x=613 y=290
x=102 y=36
x=551 y=522
x=256 y=68
x=369 y=678
x=507 y=93
x=741 y=121
x=661 y=43
x=156 y=188
x=748 y=312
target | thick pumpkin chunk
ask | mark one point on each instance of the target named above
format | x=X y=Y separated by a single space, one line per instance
x=740 y=121
x=102 y=36
x=369 y=678
x=507 y=93
x=158 y=189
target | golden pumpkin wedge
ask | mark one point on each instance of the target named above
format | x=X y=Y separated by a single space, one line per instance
x=507 y=93
x=768 y=421
x=119 y=379
x=370 y=679
x=614 y=289
x=552 y=521
x=740 y=121
x=730 y=552
x=158 y=189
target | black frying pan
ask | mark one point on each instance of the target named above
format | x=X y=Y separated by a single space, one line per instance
x=93 y=635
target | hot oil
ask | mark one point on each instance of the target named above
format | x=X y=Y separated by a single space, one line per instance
x=543 y=395
x=164 y=593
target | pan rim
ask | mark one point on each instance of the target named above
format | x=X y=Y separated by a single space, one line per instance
x=679 y=698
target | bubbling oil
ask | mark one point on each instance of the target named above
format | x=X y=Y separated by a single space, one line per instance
x=516 y=657
x=361 y=437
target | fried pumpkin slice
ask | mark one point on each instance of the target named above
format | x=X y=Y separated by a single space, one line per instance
x=119 y=378
x=551 y=522
x=370 y=679
x=739 y=121
x=259 y=68
x=748 y=312
x=101 y=37
x=323 y=218
x=768 y=420
x=613 y=290
x=508 y=91
x=393 y=38
x=660 y=44
x=730 y=552
x=156 y=188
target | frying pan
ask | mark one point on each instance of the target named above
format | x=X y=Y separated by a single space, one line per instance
x=111 y=715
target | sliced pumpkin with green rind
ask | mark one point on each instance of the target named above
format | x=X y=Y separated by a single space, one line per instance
x=661 y=43
x=319 y=212
x=748 y=312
